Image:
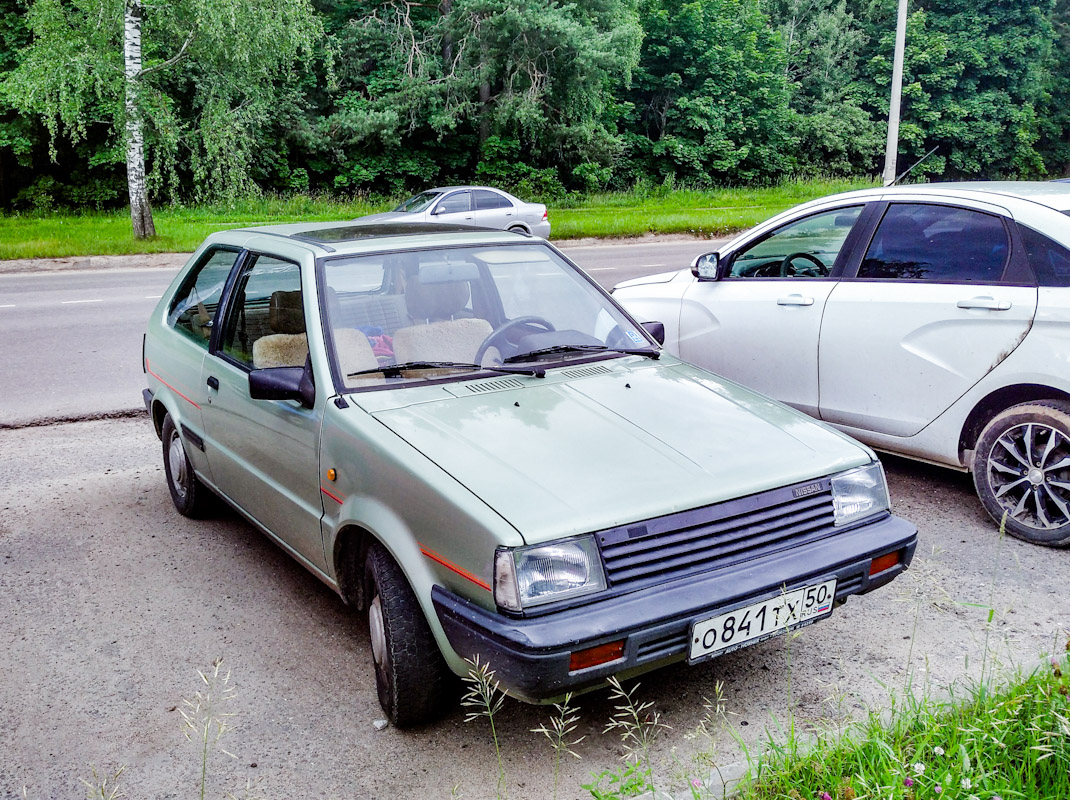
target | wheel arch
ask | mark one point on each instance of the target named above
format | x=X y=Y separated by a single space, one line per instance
x=159 y=411
x=350 y=552
x=519 y=226
x=997 y=401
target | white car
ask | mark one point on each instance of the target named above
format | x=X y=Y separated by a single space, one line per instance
x=928 y=321
x=478 y=206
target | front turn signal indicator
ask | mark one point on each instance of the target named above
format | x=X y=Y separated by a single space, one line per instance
x=881 y=563
x=593 y=656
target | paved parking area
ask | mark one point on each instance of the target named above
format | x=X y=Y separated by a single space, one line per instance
x=110 y=602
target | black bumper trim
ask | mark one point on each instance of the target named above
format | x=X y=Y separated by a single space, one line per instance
x=530 y=656
x=146 y=396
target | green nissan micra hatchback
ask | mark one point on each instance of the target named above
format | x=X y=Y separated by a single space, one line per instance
x=464 y=436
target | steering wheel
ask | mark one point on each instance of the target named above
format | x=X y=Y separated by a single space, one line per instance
x=505 y=327
x=786 y=265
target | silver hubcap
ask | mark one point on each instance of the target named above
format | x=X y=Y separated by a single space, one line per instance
x=176 y=463
x=1029 y=472
x=377 y=631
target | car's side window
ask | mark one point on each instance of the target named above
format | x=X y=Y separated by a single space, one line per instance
x=937 y=243
x=807 y=248
x=193 y=311
x=455 y=203
x=265 y=324
x=487 y=200
x=1050 y=260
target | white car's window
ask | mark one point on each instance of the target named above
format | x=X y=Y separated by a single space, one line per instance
x=806 y=248
x=487 y=200
x=455 y=203
x=418 y=203
x=265 y=324
x=194 y=308
x=920 y=241
x=1049 y=259
x=514 y=306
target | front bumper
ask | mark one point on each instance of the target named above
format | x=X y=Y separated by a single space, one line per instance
x=530 y=655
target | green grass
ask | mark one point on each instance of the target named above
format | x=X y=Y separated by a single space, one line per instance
x=1008 y=742
x=180 y=228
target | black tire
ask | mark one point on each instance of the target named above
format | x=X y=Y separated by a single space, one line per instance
x=191 y=497
x=1021 y=467
x=411 y=676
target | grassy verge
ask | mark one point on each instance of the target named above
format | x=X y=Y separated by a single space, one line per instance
x=181 y=229
x=1008 y=742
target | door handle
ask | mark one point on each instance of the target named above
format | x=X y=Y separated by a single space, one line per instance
x=213 y=382
x=795 y=300
x=988 y=303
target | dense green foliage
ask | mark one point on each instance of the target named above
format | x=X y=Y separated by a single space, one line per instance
x=379 y=97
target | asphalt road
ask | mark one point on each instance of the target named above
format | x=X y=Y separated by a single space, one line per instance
x=110 y=602
x=72 y=338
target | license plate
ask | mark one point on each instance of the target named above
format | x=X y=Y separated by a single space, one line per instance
x=751 y=624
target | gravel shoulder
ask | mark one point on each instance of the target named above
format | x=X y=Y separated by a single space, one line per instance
x=110 y=602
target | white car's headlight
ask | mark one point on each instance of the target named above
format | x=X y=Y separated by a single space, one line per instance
x=544 y=573
x=859 y=493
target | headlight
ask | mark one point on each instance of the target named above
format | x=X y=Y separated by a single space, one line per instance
x=859 y=493
x=531 y=576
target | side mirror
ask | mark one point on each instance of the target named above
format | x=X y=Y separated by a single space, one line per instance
x=655 y=329
x=283 y=383
x=706 y=267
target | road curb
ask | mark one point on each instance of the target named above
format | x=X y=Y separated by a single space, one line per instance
x=41 y=422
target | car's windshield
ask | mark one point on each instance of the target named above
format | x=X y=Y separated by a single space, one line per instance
x=450 y=311
x=419 y=203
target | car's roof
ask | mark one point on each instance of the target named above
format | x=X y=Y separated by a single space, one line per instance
x=466 y=186
x=1053 y=194
x=352 y=236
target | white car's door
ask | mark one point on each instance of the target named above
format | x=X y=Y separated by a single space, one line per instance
x=492 y=210
x=759 y=324
x=453 y=208
x=937 y=302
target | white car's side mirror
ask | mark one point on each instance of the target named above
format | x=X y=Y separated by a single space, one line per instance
x=705 y=266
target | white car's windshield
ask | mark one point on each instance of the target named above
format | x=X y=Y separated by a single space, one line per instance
x=412 y=316
x=419 y=203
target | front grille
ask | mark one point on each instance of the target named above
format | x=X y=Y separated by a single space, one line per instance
x=713 y=537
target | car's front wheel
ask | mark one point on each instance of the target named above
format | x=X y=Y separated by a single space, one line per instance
x=191 y=497
x=1021 y=468
x=411 y=676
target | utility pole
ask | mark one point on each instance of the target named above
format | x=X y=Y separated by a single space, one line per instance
x=892 y=148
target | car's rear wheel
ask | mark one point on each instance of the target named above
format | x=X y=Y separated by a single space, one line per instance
x=1021 y=468
x=191 y=497
x=411 y=676
x=517 y=229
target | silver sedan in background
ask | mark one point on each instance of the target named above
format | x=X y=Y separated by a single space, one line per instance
x=480 y=206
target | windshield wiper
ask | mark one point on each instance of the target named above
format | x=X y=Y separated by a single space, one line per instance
x=395 y=370
x=582 y=348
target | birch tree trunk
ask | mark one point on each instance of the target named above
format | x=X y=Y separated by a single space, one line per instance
x=140 y=211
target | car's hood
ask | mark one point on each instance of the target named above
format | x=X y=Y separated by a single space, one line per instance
x=561 y=456
x=646 y=280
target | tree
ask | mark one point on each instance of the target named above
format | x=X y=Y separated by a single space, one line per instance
x=974 y=75
x=823 y=43
x=709 y=95
x=511 y=90
x=116 y=61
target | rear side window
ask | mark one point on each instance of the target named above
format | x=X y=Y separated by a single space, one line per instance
x=194 y=309
x=1050 y=260
x=266 y=322
x=485 y=200
x=937 y=243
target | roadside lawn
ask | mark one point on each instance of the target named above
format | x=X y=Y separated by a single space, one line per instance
x=44 y=234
